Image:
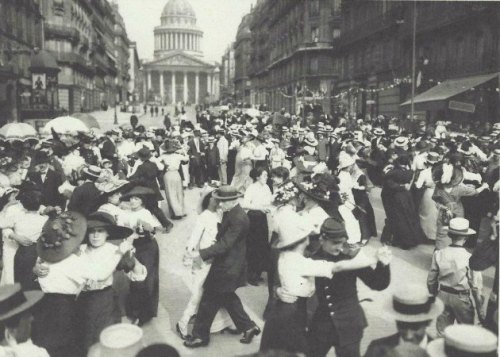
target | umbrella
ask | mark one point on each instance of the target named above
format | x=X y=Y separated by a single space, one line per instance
x=88 y=119
x=252 y=112
x=66 y=125
x=17 y=131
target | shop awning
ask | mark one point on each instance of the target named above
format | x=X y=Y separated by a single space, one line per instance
x=451 y=88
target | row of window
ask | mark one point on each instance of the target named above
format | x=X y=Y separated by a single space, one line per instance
x=20 y=23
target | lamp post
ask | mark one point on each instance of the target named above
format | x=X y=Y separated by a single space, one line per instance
x=413 y=59
x=116 y=114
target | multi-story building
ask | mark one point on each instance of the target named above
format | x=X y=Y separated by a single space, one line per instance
x=134 y=84
x=242 y=53
x=20 y=34
x=122 y=45
x=457 y=59
x=292 y=46
x=227 y=74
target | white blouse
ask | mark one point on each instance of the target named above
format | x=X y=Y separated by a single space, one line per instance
x=204 y=232
x=173 y=161
x=258 y=195
x=132 y=218
x=315 y=217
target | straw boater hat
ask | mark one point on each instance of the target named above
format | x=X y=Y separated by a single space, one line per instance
x=464 y=341
x=92 y=171
x=293 y=232
x=105 y=220
x=120 y=340
x=378 y=132
x=226 y=193
x=310 y=140
x=61 y=236
x=460 y=227
x=401 y=141
x=14 y=301
x=433 y=157
x=412 y=303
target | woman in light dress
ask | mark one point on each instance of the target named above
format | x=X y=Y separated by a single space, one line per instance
x=428 y=210
x=243 y=164
x=172 y=158
x=203 y=236
x=346 y=185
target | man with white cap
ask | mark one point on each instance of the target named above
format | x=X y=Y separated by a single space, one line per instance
x=413 y=309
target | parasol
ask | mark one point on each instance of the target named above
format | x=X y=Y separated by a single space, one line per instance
x=66 y=125
x=252 y=112
x=88 y=119
x=18 y=131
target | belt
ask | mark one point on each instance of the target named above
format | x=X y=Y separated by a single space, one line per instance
x=450 y=290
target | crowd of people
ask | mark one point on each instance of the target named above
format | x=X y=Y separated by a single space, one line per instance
x=280 y=194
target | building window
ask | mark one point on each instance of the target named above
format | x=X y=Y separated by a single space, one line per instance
x=314 y=7
x=314 y=34
x=313 y=65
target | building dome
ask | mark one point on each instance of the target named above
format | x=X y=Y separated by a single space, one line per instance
x=178 y=30
x=244 y=29
x=178 y=8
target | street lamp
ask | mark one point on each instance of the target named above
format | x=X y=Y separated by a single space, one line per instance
x=116 y=114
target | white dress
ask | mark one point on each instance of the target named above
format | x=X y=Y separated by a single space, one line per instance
x=203 y=236
x=351 y=224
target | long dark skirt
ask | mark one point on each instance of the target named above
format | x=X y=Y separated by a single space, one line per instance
x=95 y=313
x=366 y=220
x=24 y=261
x=285 y=329
x=258 y=247
x=55 y=326
x=144 y=295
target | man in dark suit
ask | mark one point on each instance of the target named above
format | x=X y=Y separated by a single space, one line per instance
x=227 y=273
x=146 y=175
x=47 y=181
x=339 y=319
x=196 y=152
x=212 y=160
x=108 y=150
x=85 y=199
x=413 y=309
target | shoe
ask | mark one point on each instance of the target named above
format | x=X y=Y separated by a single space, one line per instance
x=195 y=343
x=168 y=228
x=231 y=331
x=176 y=218
x=249 y=335
x=184 y=337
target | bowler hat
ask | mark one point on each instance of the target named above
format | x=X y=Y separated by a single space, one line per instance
x=14 y=301
x=144 y=153
x=226 y=193
x=332 y=229
x=41 y=157
x=105 y=220
x=465 y=341
x=61 y=236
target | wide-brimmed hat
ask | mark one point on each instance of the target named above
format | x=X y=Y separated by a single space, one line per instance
x=460 y=226
x=14 y=301
x=378 y=131
x=210 y=140
x=345 y=160
x=105 y=220
x=138 y=191
x=464 y=340
x=61 y=236
x=92 y=171
x=412 y=303
x=333 y=229
x=144 y=153
x=294 y=231
x=310 y=140
x=423 y=145
x=120 y=340
x=401 y=141
x=112 y=185
x=319 y=188
x=433 y=157
x=170 y=146
x=447 y=174
x=226 y=193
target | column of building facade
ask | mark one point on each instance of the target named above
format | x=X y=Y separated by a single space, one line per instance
x=185 y=97
x=162 y=87
x=149 y=81
x=197 y=88
x=173 y=88
x=209 y=84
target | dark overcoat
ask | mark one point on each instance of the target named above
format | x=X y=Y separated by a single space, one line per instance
x=229 y=268
x=146 y=175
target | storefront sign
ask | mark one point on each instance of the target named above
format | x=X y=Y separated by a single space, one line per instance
x=461 y=106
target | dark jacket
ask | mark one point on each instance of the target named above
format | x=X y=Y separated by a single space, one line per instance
x=108 y=150
x=49 y=188
x=338 y=301
x=146 y=175
x=379 y=347
x=85 y=199
x=228 y=270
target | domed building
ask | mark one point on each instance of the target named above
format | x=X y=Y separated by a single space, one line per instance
x=178 y=72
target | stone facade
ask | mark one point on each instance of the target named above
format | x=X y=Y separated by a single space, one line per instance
x=242 y=54
x=227 y=75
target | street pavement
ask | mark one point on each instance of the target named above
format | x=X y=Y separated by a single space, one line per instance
x=407 y=267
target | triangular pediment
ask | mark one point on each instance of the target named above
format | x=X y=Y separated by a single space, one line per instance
x=179 y=59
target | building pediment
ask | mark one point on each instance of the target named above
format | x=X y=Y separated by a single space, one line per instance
x=179 y=60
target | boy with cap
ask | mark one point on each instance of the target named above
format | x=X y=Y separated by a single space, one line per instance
x=452 y=280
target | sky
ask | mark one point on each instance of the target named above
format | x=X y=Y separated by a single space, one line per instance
x=219 y=19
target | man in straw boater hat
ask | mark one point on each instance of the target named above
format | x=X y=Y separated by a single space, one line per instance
x=16 y=316
x=227 y=273
x=413 y=309
x=464 y=341
x=451 y=278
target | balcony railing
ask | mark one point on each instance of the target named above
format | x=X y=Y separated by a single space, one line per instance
x=61 y=31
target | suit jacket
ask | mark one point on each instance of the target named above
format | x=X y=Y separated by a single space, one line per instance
x=49 y=188
x=192 y=151
x=228 y=270
x=379 y=347
x=108 y=150
x=338 y=299
x=146 y=175
x=85 y=199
